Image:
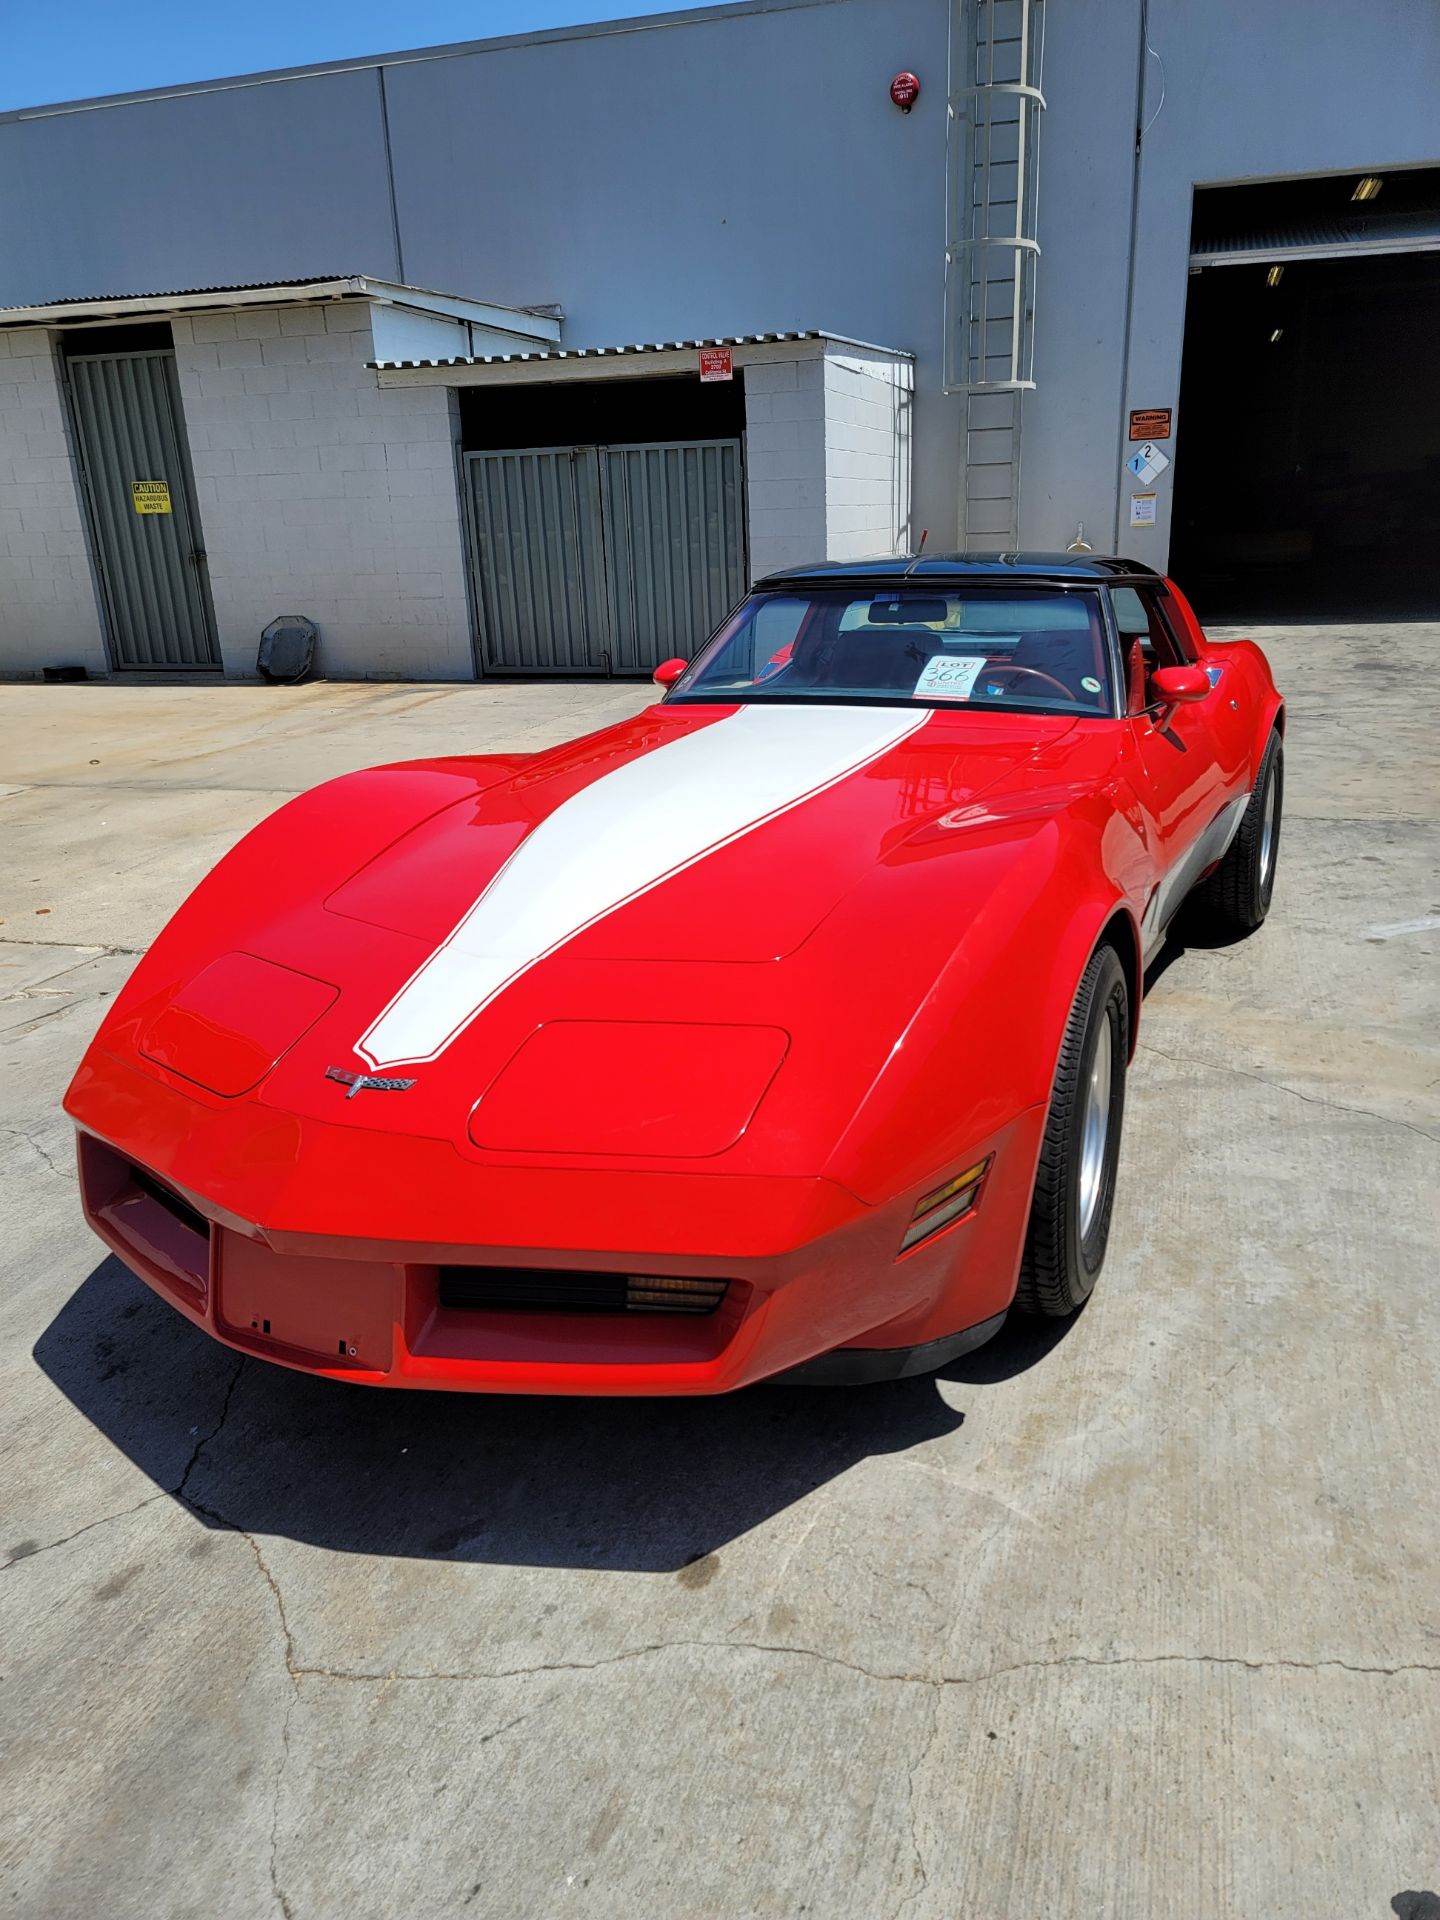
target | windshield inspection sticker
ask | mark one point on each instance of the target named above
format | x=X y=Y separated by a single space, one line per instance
x=948 y=676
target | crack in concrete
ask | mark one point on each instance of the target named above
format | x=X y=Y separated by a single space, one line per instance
x=160 y=786
x=44 y=986
x=105 y=1520
x=937 y=1681
x=51 y=1013
x=283 y=1765
x=178 y=1491
x=912 y=1807
x=292 y=1671
x=42 y=1153
x=73 y=946
x=1279 y=1086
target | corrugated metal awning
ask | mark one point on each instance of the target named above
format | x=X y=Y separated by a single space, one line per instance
x=185 y=293
x=1330 y=236
x=643 y=348
x=539 y=323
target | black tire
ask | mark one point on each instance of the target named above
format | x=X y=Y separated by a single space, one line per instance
x=1236 y=897
x=1066 y=1239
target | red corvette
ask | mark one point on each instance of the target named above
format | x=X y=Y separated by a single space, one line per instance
x=781 y=1030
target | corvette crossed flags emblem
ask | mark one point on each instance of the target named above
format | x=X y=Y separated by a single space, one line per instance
x=366 y=1082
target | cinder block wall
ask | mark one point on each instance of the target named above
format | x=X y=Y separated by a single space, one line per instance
x=827 y=453
x=867 y=453
x=785 y=462
x=49 y=614
x=321 y=493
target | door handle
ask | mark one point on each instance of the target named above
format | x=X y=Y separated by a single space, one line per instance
x=198 y=556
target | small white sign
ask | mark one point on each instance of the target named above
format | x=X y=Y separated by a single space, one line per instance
x=1142 y=509
x=1147 y=463
x=948 y=676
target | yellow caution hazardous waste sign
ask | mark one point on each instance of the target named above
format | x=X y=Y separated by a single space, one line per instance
x=150 y=496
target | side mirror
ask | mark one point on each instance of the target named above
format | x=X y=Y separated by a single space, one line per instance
x=1177 y=686
x=669 y=671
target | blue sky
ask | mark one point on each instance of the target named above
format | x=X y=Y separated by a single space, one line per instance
x=101 y=46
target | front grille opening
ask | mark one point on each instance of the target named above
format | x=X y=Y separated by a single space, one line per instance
x=510 y=1289
x=179 y=1209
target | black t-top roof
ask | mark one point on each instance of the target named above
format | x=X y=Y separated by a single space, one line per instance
x=934 y=569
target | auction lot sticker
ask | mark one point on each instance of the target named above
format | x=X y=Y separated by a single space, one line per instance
x=150 y=496
x=948 y=676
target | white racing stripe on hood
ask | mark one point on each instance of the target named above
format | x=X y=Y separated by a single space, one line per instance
x=617 y=838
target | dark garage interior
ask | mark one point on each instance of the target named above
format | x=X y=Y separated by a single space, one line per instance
x=1307 y=481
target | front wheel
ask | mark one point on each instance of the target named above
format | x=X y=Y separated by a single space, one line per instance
x=1075 y=1182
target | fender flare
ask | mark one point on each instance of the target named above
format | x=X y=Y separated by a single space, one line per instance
x=1042 y=979
x=1115 y=922
x=1272 y=720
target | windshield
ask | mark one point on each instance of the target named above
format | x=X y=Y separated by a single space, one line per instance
x=1037 y=650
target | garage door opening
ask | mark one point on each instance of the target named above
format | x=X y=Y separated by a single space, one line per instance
x=607 y=522
x=1307 y=482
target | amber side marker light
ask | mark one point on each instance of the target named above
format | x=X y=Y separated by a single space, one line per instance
x=946 y=1204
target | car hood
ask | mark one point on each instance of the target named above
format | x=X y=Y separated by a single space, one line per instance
x=702 y=833
x=613 y=948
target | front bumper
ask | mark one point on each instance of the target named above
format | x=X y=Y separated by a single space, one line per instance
x=809 y=1268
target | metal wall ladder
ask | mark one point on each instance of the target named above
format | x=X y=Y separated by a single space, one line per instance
x=991 y=252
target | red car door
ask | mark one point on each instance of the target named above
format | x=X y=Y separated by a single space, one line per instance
x=1192 y=788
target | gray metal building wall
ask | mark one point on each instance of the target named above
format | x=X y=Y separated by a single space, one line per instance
x=744 y=170
x=1233 y=90
x=726 y=173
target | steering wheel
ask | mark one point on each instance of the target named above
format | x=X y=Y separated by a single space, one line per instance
x=1035 y=674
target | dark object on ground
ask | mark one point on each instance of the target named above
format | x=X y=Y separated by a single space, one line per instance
x=287 y=648
x=64 y=673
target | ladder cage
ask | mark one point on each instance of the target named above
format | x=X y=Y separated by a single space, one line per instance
x=991 y=250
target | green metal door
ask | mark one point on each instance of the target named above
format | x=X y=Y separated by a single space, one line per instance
x=604 y=560
x=149 y=550
x=540 y=587
x=674 y=547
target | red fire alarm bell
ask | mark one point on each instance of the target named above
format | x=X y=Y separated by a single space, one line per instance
x=905 y=91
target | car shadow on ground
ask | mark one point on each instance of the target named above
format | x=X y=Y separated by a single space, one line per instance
x=624 y=1485
x=1189 y=932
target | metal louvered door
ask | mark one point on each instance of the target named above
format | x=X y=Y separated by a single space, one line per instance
x=674 y=546
x=149 y=549
x=540 y=589
x=604 y=560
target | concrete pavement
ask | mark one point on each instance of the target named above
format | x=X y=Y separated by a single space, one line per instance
x=1131 y=1618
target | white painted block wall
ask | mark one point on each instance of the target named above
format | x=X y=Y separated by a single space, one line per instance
x=321 y=493
x=827 y=450
x=49 y=614
x=867 y=453
x=785 y=462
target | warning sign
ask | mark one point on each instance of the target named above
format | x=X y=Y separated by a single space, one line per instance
x=1142 y=510
x=150 y=496
x=1150 y=423
x=716 y=363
